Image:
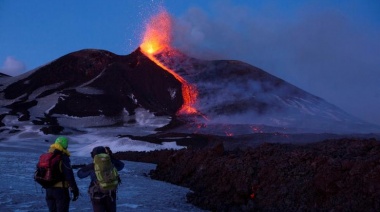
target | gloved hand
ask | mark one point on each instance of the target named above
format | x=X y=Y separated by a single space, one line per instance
x=75 y=192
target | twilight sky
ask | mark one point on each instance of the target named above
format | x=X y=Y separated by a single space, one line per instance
x=328 y=48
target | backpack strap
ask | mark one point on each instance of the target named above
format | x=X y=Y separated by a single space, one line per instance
x=55 y=154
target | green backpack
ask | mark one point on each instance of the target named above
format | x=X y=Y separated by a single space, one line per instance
x=106 y=173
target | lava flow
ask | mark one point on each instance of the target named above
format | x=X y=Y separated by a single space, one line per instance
x=157 y=38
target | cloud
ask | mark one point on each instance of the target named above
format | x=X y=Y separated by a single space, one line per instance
x=12 y=67
x=323 y=50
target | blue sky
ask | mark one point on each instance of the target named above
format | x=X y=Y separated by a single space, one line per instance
x=328 y=48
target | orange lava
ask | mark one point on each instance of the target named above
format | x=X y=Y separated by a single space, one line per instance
x=157 y=38
x=157 y=34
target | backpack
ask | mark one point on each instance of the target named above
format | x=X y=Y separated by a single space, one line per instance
x=106 y=173
x=48 y=171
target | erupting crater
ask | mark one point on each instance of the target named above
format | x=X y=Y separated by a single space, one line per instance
x=157 y=39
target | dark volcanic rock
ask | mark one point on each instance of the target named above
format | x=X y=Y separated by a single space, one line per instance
x=339 y=175
x=69 y=71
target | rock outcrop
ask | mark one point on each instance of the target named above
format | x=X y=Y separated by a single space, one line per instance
x=338 y=175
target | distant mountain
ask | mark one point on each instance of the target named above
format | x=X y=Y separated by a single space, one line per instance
x=3 y=75
x=110 y=88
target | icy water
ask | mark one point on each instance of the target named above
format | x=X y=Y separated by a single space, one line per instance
x=19 y=192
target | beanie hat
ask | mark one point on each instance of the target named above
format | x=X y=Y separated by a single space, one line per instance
x=62 y=141
x=98 y=150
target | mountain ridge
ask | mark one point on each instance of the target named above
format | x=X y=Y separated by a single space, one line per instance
x=99 y=83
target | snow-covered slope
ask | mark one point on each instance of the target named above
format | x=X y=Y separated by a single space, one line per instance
x=240 y=95
x=90 y=88
x=96 y=88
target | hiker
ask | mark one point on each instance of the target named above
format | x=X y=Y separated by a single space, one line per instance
x=57 y=195
x=102 y=193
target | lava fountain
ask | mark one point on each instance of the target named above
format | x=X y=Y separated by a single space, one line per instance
x=157 y=39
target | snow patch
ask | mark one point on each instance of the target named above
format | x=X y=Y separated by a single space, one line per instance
x=172 y=92
x=146 y=118
x=42 y=89
x=132 y=96
x=121 y=145
x=44 y=105
x=83 y=122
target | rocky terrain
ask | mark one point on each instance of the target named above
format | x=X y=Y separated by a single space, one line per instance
x=332 y=175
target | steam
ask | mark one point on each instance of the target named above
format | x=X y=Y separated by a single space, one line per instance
x=321 y=50
x=12 y=67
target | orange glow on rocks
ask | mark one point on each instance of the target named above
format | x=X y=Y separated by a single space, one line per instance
x=157 y=38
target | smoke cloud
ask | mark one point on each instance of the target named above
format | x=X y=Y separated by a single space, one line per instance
x=12 y=67
x=324 y=51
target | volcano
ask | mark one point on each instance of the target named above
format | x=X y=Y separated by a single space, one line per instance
x=232 y=97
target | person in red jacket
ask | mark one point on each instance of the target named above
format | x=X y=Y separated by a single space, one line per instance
x=58 y=196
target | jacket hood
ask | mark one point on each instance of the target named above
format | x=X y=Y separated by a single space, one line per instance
x=60 y=148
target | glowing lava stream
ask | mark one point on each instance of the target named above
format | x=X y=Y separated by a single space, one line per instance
x=157 y=39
